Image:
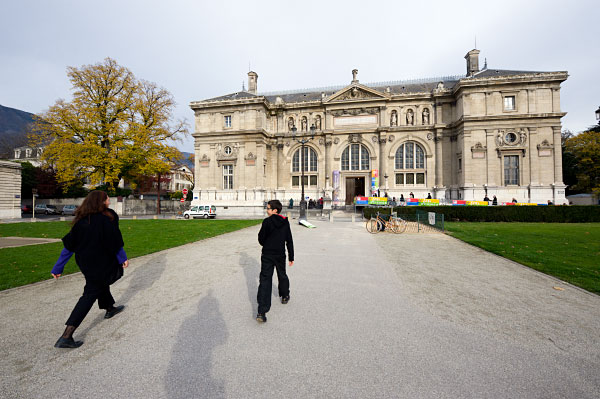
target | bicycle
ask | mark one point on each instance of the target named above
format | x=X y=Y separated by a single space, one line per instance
x=376 y=224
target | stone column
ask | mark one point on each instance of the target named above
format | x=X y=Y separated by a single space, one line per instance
x=558 y=177
x=327 y=144
x=280 y=163
x=439 y=161
x=382 y=159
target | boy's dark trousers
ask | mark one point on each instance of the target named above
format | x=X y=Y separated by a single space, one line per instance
x=267 y=263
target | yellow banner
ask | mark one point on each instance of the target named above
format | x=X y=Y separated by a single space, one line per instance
x=478 y=203
x=526 y=203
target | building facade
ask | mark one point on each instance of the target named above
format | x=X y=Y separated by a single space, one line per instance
x=489 y=132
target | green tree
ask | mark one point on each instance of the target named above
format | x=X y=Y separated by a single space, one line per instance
x=114 y=127
x=28 y=179
x=585 y=149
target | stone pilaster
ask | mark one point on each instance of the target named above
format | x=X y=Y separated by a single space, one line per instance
x=558 y=177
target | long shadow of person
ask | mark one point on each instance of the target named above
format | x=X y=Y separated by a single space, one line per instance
x=190 y=371
x=141 y=278
x=252 y=271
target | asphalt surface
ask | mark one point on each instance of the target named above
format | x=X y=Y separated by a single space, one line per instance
x=370 y=316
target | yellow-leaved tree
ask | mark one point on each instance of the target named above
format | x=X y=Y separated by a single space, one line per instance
x=116 y=126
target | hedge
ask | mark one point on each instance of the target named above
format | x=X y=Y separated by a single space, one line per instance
x=515 y=213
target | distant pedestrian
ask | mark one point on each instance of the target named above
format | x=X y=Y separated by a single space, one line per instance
x=550 y=202
x=291 y=203
x=412 y=195
x=486 y=198
x=495 y=201
x=274 y=235
x=428 y=195
x=514 y=200
x=96 y=240
x=401 y=197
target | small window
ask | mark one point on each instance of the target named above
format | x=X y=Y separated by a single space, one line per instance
x=420 y=178
x=399 y=178
x=459 y=163
x=295 y=181
x=410 y=178
x=509 y=103
x=510 y=138
x=227 y=150
x=313 y=180
x=228 y=121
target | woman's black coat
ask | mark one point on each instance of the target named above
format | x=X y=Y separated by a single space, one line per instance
x=96 y=239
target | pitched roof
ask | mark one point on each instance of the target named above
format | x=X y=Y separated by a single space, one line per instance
x=491 y=73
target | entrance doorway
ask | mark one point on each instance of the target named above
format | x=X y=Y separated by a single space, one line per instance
x=355 y=186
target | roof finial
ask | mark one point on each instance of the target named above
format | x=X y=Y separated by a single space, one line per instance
x=354 y=74
x=475 y=42
x=243 y=86
x=485 y=63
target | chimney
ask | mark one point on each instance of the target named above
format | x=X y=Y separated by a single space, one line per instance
x=472 y=58
x=252 y=80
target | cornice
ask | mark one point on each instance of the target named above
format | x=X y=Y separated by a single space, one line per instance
x=560 y=76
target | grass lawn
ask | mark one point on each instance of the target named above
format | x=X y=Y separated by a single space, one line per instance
x=569 y=251
x=26 y=265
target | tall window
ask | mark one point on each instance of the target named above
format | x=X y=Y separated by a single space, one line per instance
x=410 y=164
x=228 y=177
x=355 y=157
x=511 y=170
x=228 y=121
x=310 y=167
x=310 y=160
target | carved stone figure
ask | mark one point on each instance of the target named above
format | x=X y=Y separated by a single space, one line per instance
x=394 y=119
x=426 y=116
x=354 y=74
x=410 y=117
x=499 y=139
x=523 y=137
x=304 y=124
x=290 y=123
x=318 y=122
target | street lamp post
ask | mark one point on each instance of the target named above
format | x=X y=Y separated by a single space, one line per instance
x=303 y=140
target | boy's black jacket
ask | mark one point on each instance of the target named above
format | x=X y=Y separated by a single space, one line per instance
x=274 y=234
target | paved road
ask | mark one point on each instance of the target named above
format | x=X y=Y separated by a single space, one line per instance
x=371 y=316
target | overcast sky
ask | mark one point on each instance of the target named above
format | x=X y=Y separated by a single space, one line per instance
x=203 y=49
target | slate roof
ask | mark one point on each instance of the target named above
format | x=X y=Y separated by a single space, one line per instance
x=396 y=87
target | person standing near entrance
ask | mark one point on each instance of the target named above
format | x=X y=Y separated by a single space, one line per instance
x=274 y=235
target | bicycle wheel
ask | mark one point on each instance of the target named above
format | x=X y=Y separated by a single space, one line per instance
x=401 y=225
x=372 y=226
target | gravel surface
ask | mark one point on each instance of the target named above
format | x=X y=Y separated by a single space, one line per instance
x=370 y=316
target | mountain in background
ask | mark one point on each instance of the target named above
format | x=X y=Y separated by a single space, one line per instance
x=13 y=130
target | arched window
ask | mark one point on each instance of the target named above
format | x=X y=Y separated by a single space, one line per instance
x=310 y=167
x=355 y=157
x=410 y=165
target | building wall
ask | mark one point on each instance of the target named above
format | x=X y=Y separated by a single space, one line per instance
x=10 y=190
x=465 y=141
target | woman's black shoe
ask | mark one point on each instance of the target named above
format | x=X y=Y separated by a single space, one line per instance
x=111 y=312
x=67 y=343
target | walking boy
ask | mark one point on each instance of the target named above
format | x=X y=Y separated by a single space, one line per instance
x=274 y=235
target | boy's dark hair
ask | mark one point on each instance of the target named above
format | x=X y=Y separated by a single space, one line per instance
x=275 y=205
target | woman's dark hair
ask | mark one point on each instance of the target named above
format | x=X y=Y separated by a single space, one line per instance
x=93 y=203
x=275 y=205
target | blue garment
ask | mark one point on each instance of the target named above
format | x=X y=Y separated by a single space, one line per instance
x=65 y=255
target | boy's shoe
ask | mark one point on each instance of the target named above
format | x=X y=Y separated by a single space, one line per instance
x=67 y=343
x=261 y=318
x=285 y=299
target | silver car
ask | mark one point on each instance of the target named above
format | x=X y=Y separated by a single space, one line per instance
x=69 y=209
x=47 y=209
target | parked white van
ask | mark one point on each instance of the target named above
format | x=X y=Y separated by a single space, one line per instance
x=201 y=211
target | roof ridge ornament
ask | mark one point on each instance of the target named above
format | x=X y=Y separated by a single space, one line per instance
x=354 y=75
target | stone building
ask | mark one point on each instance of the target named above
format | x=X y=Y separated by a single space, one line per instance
x=10 y=190
x=491 y=131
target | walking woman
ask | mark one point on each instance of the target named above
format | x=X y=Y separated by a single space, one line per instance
x=96 y=240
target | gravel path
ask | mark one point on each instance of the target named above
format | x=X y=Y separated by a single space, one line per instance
x=370 y=316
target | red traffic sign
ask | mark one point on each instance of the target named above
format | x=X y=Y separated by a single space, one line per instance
x=182 y=200
x=185 y=191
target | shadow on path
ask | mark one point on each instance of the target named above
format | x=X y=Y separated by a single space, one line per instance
x=190 y=371
x=251 y=271
x=142 y=278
